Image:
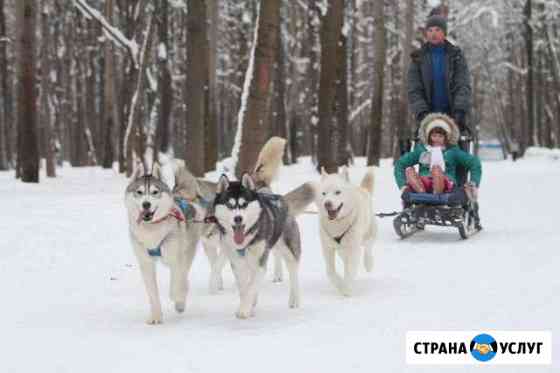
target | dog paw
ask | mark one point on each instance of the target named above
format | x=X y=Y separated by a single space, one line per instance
x=154 y=320
x=293 y=302
x=346 y=290
x=368 y=264
x=180 y=307
x=243 y=314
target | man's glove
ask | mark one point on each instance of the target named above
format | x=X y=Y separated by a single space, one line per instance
x=420 y=117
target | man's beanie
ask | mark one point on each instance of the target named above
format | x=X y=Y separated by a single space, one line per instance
x=437 y=20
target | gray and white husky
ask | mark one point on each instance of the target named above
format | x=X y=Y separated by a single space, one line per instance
x=253 y=222
x=347 y=225
x=162 y=227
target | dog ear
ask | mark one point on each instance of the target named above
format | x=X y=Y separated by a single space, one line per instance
x=248 y=182
x=345 y=173
x=223 y=184
x=324 y=173
x=138 y=171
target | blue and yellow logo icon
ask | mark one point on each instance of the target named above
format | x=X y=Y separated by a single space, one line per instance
x=483 y=347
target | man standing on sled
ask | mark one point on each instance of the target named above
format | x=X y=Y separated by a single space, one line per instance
x=438 y=79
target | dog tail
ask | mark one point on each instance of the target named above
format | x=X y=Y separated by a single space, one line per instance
x=269 y=161
x=299 y=198
x=186 y=185
x=368 y=180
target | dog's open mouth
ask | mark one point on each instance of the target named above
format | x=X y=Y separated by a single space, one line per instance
x=239 y=233
x=334 y=212
x=147 y=215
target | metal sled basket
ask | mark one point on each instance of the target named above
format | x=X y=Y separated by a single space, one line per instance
x=453 y=209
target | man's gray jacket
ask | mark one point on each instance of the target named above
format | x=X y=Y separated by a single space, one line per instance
x=420 y=82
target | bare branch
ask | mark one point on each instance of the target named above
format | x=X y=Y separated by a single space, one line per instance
x=113 y=33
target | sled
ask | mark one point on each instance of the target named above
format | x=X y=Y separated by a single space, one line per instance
x=456 y=209
x=422 y=209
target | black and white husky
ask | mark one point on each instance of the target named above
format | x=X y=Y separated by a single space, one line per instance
x=252 y=223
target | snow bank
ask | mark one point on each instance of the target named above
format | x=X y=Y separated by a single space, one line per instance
x=538 y=152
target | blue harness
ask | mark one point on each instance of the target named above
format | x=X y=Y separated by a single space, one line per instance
x=155 y=252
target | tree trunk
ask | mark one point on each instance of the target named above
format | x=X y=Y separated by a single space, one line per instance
x=27 y=103
x=403 y=126
x=343 y=148
x=529 y=140
x=78 y=133
x=555 y=68
x=539 y=100
x=197 y=72
x=253 y=126
x=331 y=29
x=110 y=112
x=127 y=85
x=211 y=132
x=164 y=129
x=135 y=136
x=312 y=99
x=374 y=150
x=46 y=101
x=3 y=142
x=6 y=120
x=91 y=119
x=278 y=114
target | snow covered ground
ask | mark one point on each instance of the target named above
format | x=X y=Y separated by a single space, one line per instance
x=73 y=300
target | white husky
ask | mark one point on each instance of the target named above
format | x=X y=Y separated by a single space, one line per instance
x=347 y=225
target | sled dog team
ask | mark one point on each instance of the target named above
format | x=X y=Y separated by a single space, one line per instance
x=248 y=223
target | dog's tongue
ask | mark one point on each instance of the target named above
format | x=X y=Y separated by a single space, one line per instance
x=239 y=234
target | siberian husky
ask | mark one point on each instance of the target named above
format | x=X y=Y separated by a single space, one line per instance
x=162 y=226
x=252 y=222
x=264 y=173
x=347 y=225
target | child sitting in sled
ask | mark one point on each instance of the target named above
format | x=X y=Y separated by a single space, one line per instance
x=438 y=155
